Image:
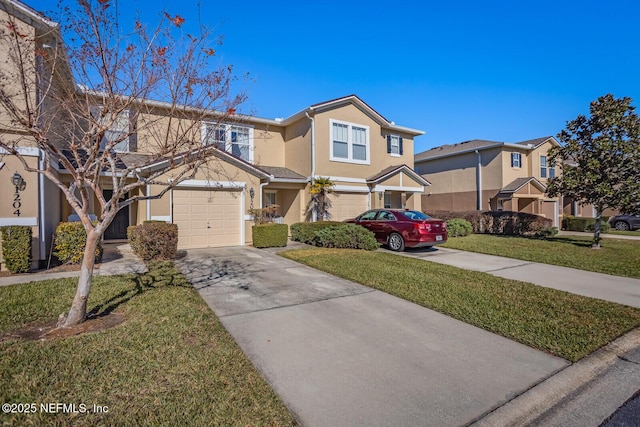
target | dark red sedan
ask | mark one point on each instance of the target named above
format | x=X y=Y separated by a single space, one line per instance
x=400 y=228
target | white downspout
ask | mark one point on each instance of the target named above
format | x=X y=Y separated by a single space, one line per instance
x=148 y=192
x=262 y=185
x=479 y=178
x=313 y=146
x=41 y=201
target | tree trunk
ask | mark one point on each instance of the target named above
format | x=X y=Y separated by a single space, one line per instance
x=78 y=311
x=596 y=229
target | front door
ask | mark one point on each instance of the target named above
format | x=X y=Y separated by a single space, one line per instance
x=117 y=230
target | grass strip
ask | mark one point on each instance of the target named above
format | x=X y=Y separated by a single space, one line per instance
x=616 y=257
x=170 y=363
x=567 y=325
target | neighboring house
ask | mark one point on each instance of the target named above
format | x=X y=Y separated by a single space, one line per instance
x=489 y=175
x=258 y=162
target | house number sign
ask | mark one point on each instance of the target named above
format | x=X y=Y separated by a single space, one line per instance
x=19 y=183
x=17 y=202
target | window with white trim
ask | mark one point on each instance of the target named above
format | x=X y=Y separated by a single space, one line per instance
x=349 y=142
x=516 y=160
x=394 y=145
x=543 y=166
x=234 y=139
x=118 y=132
x=269 y=198
x=387 y=200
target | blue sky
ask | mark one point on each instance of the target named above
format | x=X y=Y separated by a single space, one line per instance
x=459 y=70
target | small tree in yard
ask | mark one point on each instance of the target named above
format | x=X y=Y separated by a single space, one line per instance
x=81 y=128
x=319 y=202
x=600 y=159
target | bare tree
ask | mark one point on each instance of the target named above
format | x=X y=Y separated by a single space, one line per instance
x=81 y=103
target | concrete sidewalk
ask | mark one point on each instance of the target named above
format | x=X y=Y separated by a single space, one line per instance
x=622 y=290
x=339 y=353
x=117 y=258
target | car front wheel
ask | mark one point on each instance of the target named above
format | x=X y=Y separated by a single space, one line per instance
x=396 y=242
x=621 y=225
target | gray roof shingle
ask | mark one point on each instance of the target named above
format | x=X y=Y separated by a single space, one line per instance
x=282 y=173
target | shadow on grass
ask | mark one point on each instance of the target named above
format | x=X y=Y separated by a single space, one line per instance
x=160 y=274
x=566 y=240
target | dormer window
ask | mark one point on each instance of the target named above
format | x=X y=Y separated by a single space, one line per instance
x=234 y=139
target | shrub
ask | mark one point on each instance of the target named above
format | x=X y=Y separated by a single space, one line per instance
x=305 y=231
x=502 y=222
x=270 y=235
x=572 y=223
x=69 y=243
x=347 y=236
x=16 y=247
x=154 y=240
x=458 y=227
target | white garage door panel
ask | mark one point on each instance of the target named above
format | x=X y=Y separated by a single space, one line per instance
x=347 y=205
x=207 y=218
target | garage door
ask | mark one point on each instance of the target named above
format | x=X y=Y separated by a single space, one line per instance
x=207 y=218
x=347 y=205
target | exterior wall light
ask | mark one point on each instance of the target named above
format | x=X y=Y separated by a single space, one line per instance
x=18 y=182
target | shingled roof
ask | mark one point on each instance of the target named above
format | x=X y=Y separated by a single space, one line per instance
x=282 y=173
x=476 y=144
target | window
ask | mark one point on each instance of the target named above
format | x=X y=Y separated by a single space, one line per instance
x=349 y=142
x=387 y=200
x=386 y=216
x=500 y=205
x=269 y=198
x=394 y=145
x=233 y=139
x=118 y=132
x=543 y=166
x=368 y=216
x=516 y=160
x=552 y=171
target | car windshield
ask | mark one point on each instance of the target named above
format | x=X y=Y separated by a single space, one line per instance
x=415 y=215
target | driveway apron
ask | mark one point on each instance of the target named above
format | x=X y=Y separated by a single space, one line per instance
x=339 y=353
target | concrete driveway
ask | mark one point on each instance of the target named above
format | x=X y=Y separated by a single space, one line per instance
x=339 y=353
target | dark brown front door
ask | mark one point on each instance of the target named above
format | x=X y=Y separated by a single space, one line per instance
x=118 y=227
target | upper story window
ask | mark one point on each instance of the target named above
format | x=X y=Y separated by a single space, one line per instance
x=349 y=142
x=118 y=132
x=394 y=145
x=234 y=139
x=547 y=170
x=516 y=160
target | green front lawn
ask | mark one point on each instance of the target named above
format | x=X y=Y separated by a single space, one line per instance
x=617 y=257
x=170 y=363
x=567 y=325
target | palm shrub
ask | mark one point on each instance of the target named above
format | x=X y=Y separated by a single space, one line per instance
x=319 y=202
x=16 y=247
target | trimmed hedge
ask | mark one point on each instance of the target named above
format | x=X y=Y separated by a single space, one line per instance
x=69 y=243
x=458 y=227
x=346 y=236
x=572 y=223
x=502 y=222
x=270 y=235
x=16 y=247
x=306 y=231
x=154 y=240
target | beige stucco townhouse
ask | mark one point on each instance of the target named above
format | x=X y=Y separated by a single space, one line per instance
x=489 y=175
x=259 y=162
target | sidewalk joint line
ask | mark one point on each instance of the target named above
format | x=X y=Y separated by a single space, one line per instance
x=299 y=303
